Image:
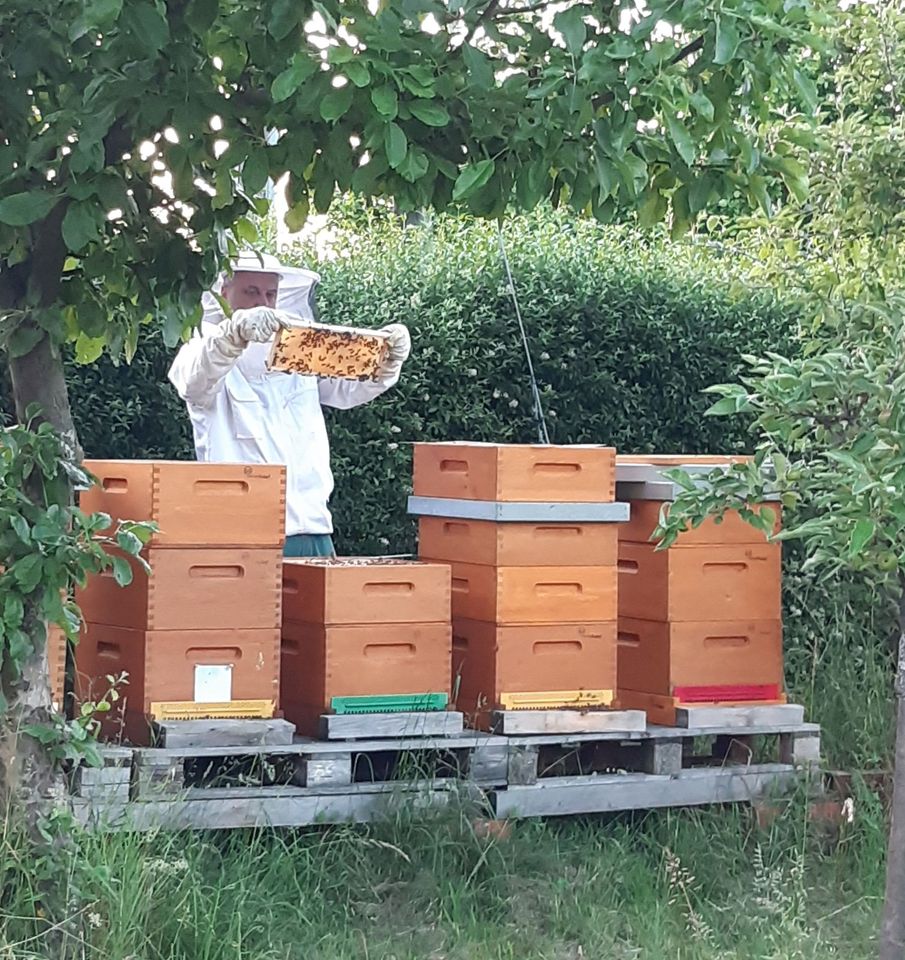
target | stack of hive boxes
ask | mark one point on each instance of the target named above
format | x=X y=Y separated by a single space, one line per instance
x=200 y=636
x=699 y=623
x=364 y=635
x=530 y=534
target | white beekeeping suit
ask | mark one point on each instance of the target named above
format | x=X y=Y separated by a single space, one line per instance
x=241 y=413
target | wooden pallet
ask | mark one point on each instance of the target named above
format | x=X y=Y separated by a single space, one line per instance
x=312 y=781
x=317 y=764
x=662 y=767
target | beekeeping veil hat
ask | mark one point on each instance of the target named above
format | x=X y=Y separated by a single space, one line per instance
x=296 y=293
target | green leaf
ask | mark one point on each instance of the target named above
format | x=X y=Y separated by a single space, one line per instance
x=21 y=209
x=285 y=16
x=357 y=72
x=702 y=104
x=472 y=178
x=681 y=138
x=385 y=100
x=570 y=23
x=201 y=14
x=151 y=27
x=24 y=339
x=727 y=40
x=100 y=13
x=122 y=571
x=807 y=89
x=89 y=349
x=395 y=143
x=414 y=166
x=80 y=226
x=128 y=543
x=862 y=534
x=27 y=572
x=433 y=114
x=336 y=103
x=479 y=67
x=297 y=215
x=255 y=172
x=20 y=527
x=286 y=83
x=795 y=177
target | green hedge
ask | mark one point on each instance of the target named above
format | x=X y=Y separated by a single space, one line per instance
x=625 y=332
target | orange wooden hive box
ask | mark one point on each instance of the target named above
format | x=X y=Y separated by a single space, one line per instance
x=518 y=544
x=176 y=673
x=645 y=516
x=359 y=660
x=364 y=590
x=515 y=473
x=362 y=627
x=503 y=667
x=525 y=595
x=708 y=582
x=193 y=504
x=662 y=666
x=191 y=589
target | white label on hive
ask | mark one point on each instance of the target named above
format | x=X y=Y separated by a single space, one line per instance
x=213 y=683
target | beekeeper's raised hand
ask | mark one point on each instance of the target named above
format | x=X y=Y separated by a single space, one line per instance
x=254 y=325
x=400 y=346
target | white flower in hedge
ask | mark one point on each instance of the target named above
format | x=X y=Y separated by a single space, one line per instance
x=392 y=446
x=472 y=372
x=395 y=429
x=384 y=542
x=545 y=355
x=513 y=403
x=496 y=394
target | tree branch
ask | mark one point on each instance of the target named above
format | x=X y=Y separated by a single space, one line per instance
x=688 y=50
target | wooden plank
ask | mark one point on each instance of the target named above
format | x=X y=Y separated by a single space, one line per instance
x=489 y=765
x=223 y=733
x=305 y=746
x=369 y=726
x=286 y=810
x=662 y=757
x=523 y=765
x=799 y=749
x=333 y=770
x=530 y=722
x=731 y=718
x=570 y=796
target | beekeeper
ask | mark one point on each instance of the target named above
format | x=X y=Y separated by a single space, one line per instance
x=241 y=412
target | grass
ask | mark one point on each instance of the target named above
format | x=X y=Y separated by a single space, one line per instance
x=700 y=885
x=705 y=884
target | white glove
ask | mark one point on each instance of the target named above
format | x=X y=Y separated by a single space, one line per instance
x=400 y=346
x=255 y=325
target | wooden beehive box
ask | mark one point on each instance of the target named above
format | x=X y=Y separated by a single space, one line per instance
x=365 y=590
x=645 y=516
x=518 y=544
x=359 y=660
x=321 y=350
x=208 y=672
x=191 y=589
x=665 y=665
x=524 y=595
x=193 y=504
x=515 y=473
x=490 y=661
x=707 y=582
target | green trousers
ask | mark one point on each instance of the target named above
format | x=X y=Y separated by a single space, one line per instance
x=309 y=545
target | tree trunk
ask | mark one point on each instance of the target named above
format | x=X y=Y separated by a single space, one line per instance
x=31 y=783
x=892 y=934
